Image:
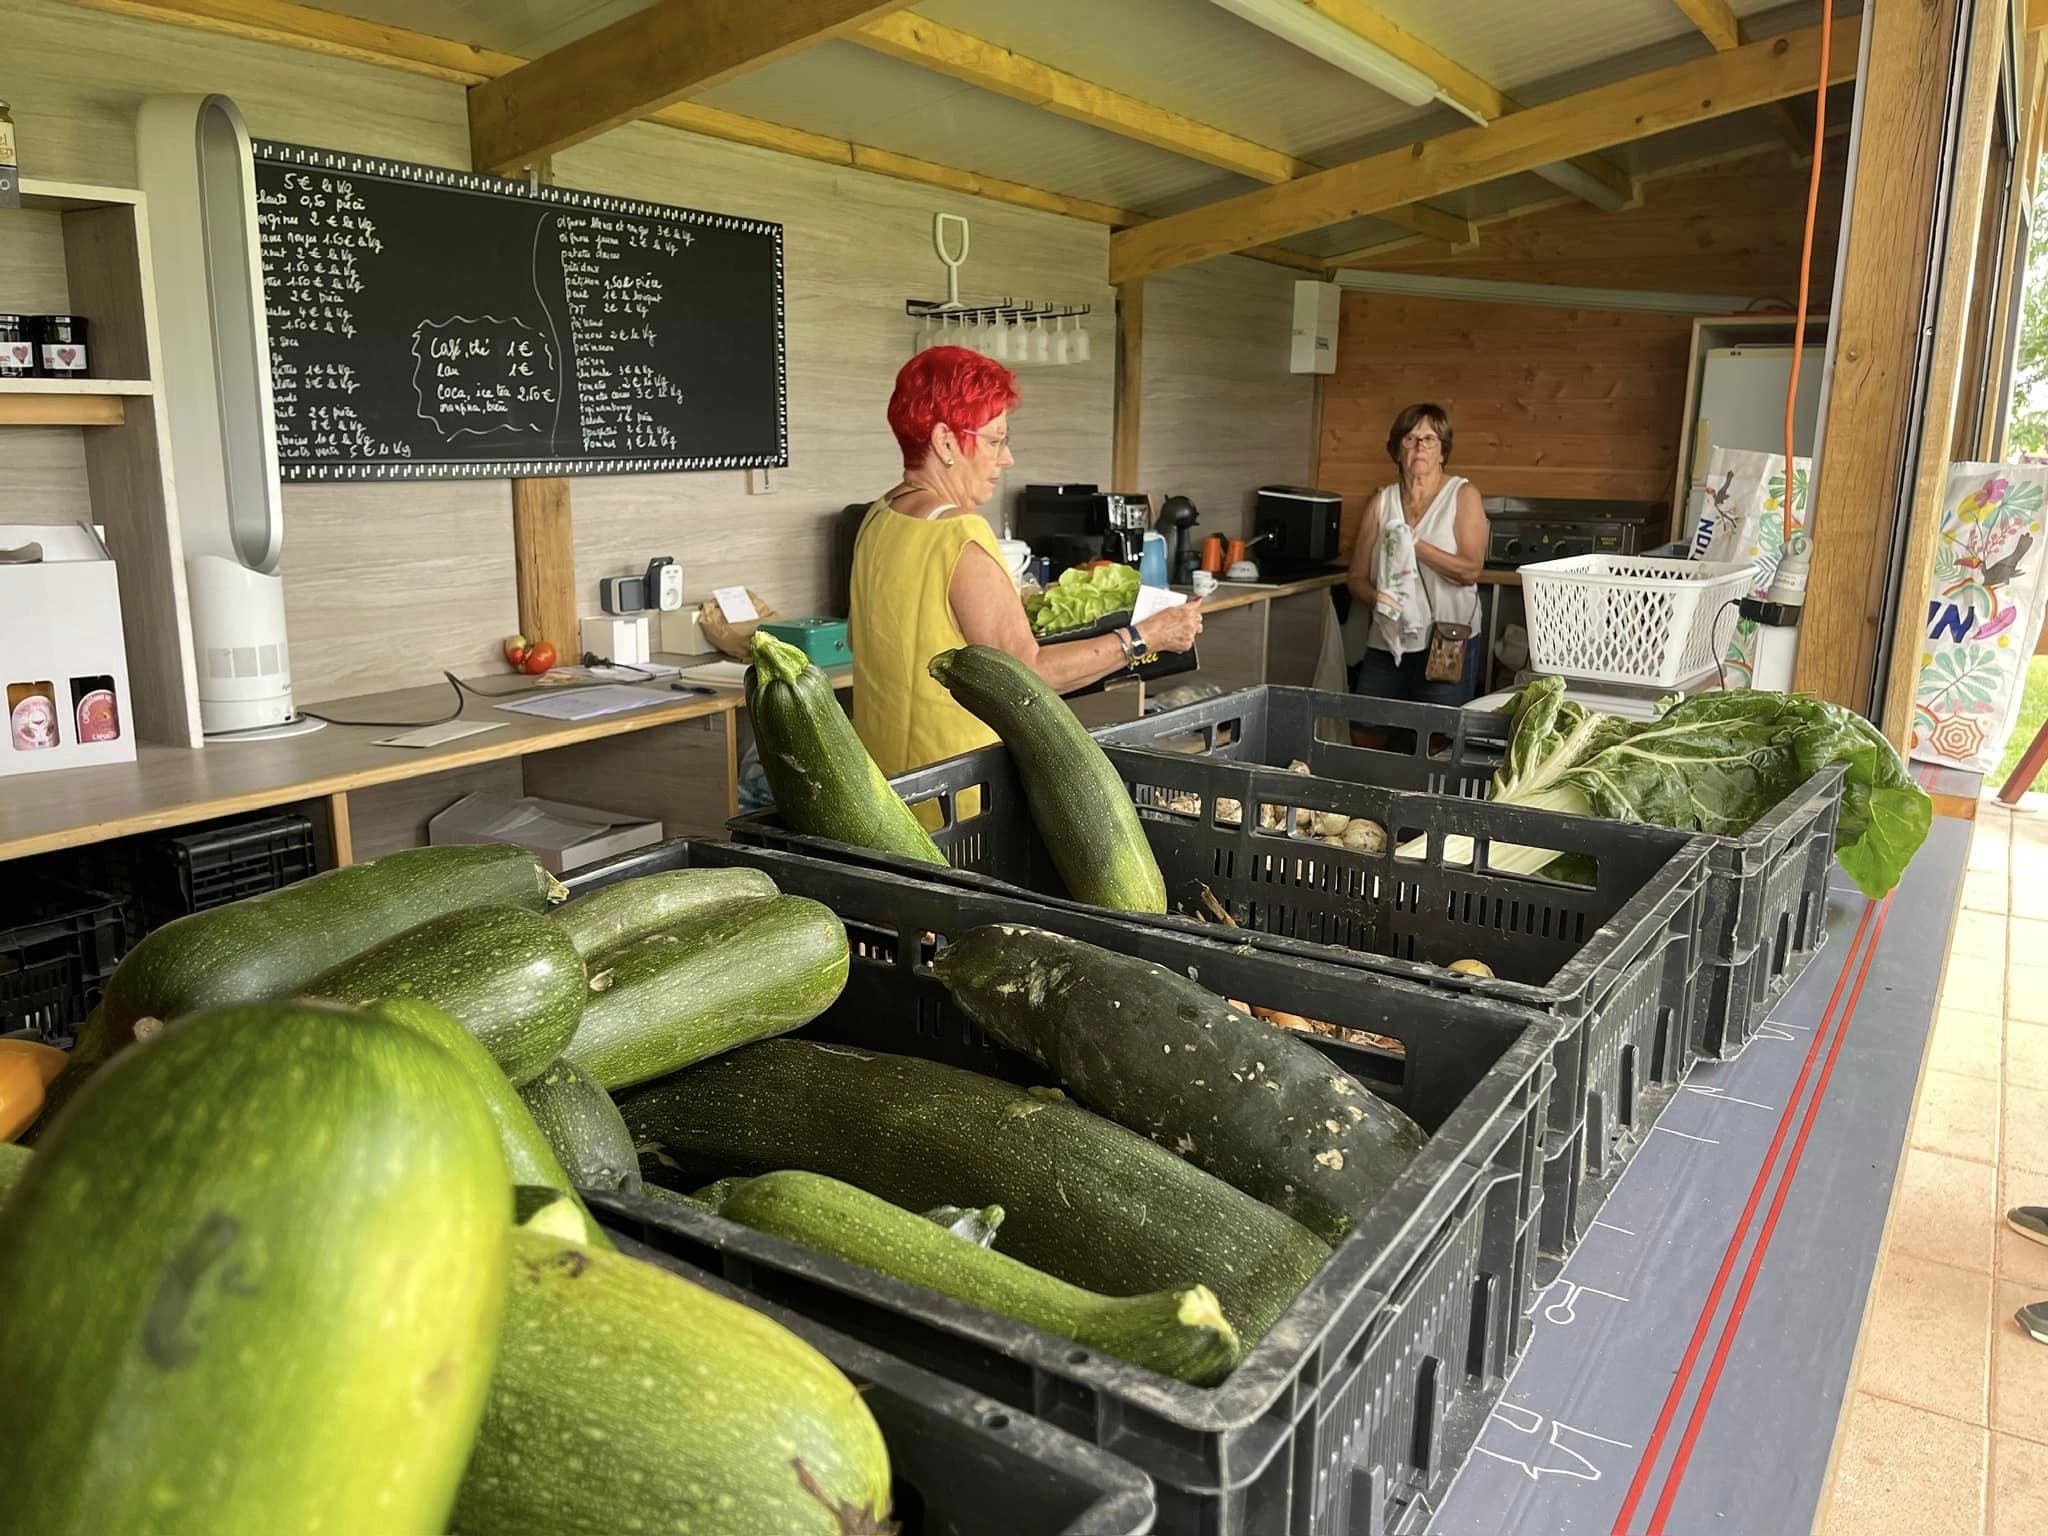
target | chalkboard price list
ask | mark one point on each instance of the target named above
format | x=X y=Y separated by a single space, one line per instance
x=614 y=295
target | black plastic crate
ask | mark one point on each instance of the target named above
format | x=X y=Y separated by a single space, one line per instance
x=960 y=1464
x=58 y=945
x=1343 y=1404
x=1612 y=959
x=1764 y=915
x=185 y=872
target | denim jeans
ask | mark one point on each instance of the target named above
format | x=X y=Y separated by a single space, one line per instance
x=1380 y=676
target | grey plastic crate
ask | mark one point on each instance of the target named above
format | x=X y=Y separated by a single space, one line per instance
x=1764 y=915
x=1418 y=1311
x=961 y=1465
x=1611 y=960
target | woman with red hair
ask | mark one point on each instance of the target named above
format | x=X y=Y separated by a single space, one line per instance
x=927 y=576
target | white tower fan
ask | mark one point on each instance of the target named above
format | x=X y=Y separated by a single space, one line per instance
x=196 y=167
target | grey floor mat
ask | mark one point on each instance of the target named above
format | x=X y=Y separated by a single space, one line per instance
x=1577 y=1426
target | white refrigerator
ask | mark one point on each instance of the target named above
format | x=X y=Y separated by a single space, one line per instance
x=1742 y=405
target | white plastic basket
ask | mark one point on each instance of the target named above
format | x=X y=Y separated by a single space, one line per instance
x=1629 y=618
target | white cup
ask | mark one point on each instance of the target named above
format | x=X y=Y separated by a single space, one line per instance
x=1204 y=583
x=1080 y=343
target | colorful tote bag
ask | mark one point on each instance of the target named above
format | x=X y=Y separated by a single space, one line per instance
x=1983 y=614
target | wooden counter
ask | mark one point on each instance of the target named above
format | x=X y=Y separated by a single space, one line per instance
x=677 y=760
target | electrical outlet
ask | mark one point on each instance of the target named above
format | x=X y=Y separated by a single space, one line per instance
x=759 y=483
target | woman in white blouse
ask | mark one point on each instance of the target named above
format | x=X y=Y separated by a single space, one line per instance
x=1446 y=522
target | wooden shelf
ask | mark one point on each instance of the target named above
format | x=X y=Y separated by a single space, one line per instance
x=76 y=387
x=72 y=408
x=39 y=196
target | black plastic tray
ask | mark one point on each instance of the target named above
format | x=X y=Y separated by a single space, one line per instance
x=960 y=1464
x=1612 y=960
x=1342 y=1408
x=1764 y=913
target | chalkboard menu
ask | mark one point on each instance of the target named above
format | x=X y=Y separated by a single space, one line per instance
x=433 y=324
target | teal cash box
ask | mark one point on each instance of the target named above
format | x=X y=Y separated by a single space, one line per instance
x=823 y=640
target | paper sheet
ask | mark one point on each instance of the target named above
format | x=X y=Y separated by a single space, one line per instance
x=437 y=735
x=734 y=603
x=587 y=703
x=1153 y=600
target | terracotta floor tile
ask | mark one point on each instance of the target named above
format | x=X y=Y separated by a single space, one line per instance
x=1904 y=1472
x=1970 y=1043
x=1958 y=1116
x=2026 y=992
x=2026 y=1054
x=2021 y=1260
x=2019 y=1487
x=2019 y=1404
x=1926 y=1339
x=1945 y=1209
x=2024 y=1138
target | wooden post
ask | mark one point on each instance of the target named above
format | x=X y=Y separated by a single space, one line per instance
x=544 y=560
x=1859 y=493
x=1130 y=385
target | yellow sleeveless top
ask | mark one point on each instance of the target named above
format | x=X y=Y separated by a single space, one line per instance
x=902 y=616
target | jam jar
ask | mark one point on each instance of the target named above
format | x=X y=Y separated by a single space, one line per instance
x=17 y=352
x=60 y=345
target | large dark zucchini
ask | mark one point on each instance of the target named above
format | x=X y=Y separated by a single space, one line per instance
x=1256 y=1106
x=252 y=1283
x=1179 y=1333
x=626 y=910
x=627 y=1399
x=824 y=781
x=271 y=945
x=1082 y=809
x=1083 y=1198
x=510 y=978
x=582 y=1124
x=752 y=971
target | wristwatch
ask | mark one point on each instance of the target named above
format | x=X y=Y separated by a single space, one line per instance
x=1138 y=648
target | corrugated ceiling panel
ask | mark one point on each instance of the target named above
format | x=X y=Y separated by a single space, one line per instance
x=1515 y=44
x=512 y=26
x=848 y=92
x=1191 y=57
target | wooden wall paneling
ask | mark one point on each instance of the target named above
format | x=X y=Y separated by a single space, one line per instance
x=1543 y=402
x=1223 y=415
x=387 y=817
x=1294 y=637
x=1128 y=425
x=544 y=563
x=682 y=774
x=45 y=479
x=1877 y=318
x=1733 y=228
x=1988 y=35
x=32 y=263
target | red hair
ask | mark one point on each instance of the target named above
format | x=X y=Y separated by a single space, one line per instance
x=962 y=389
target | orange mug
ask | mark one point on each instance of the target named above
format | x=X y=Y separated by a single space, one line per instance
x=1236 y=553
x=1212 y=554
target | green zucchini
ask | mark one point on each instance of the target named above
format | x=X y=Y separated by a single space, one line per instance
x=270 y=946
x=1179 y=1333
x=627 y=1399
x=676 y=997
x=824 y=781
x=626 y=910
x=14 y=1159
x=1161 y=1055
x=252 y=1282
x=510 y=978
x=529 y=1157
x=1083 y=1199
x=1082 y=809
x=582 y=1124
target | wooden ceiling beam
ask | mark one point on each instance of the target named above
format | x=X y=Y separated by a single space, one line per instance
x=1638 y=107
x=1433 y=223
x=1719 y=25
x=641 y=63
x=1610 y=186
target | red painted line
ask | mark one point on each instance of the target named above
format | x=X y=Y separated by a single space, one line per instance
x=1654 y=1444
x=1763 y=1242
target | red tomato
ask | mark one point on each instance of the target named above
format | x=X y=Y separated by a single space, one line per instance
x=539 y=658
x=515 y=649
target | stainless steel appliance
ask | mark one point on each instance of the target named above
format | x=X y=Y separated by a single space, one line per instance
x=1525 y=531
x=1075 y=524
x=1300 y=527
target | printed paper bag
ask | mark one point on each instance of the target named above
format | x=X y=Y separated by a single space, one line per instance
x=1983 y=614
x=1744 y=518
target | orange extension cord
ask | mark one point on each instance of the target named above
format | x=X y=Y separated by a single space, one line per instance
x=1820 y=117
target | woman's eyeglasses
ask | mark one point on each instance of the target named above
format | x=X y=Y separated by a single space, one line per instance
x=999 y=444
x=1417 y=439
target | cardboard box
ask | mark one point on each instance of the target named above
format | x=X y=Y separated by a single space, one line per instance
x=60 y=625
x=563 y=837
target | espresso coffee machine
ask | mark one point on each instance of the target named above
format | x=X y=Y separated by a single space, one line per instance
x=1072 y=525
